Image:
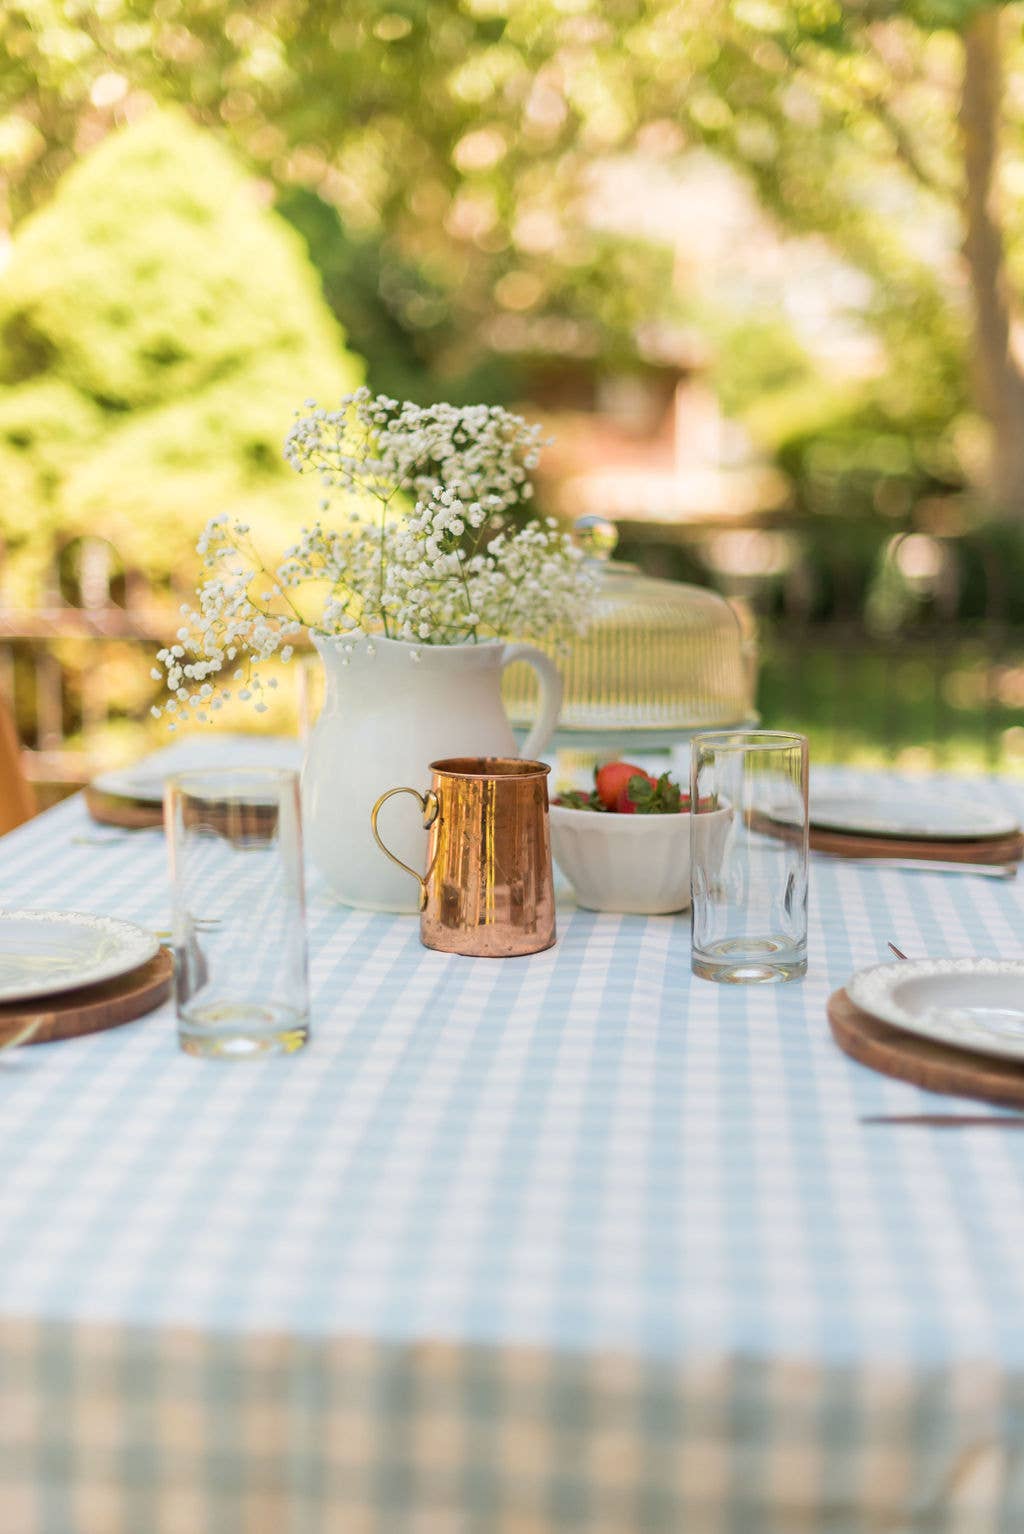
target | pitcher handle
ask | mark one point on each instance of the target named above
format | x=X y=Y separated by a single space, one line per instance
x=428 y=803
x=551 y=689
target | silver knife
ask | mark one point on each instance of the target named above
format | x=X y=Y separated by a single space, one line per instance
x=929 y=866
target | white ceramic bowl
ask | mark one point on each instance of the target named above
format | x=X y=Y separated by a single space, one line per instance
x=638 y=864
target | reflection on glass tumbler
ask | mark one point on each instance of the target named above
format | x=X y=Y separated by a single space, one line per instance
x=748 y=856
x=235 y=841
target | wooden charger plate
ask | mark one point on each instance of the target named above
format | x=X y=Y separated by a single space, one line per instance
x=850 y=844
x=91 y=1008
x=926 y=1063
x=243 y=822
x=989 y=849
x=117 y=810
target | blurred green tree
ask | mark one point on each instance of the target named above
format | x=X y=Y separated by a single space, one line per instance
x=461 y=136
x=158 y=327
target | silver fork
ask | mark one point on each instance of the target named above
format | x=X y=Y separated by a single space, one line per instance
x=200 y=923
x=114 y=840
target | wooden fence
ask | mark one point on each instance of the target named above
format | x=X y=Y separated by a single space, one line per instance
x=56 y=658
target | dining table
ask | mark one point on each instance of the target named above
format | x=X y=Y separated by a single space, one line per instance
x=575 y=1241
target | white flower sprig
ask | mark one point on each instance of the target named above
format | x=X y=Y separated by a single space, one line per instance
x=455 y=568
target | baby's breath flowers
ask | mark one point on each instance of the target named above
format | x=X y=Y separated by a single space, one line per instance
x=426 y=550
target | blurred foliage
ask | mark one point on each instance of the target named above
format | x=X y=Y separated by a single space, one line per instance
x=876 y=580
x=392 y=114
x=457 y=140
x=759 y=361
x=930 y=708
x=393 y=314
x=157 y=329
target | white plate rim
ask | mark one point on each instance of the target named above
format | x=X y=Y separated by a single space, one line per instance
x=141 y=947
x=994 y=822
x=871 y=990
x=149 y=788
x=143 y=780
x=124 y=783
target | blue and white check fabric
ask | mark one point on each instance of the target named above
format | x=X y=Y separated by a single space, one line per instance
x=572 y=1242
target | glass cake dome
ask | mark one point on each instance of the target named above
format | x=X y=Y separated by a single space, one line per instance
x=660 y=661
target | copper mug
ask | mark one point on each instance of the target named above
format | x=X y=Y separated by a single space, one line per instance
x=488 y=890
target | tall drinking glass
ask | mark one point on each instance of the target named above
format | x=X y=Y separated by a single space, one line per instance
x=748 y=856
x=235 y=840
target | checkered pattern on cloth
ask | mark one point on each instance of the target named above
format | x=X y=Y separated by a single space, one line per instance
x=568 y=1242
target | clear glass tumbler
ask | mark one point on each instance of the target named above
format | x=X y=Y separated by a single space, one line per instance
x=240 y=979
x=748 y=856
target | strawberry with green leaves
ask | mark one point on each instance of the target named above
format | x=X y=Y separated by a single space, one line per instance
x=621 y=788
x=612 y=782
x=645 y=795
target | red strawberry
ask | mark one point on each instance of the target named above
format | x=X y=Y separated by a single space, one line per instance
x=612 y=780
x=624 y=804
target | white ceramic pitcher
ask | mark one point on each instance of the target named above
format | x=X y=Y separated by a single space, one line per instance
x=385 y=718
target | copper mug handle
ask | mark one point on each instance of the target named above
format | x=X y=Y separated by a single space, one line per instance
x=430 y=808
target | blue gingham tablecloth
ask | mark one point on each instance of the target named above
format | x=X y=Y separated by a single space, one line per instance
x=573 y=1242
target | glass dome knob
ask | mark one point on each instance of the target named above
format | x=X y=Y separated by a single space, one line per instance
x=596 y=536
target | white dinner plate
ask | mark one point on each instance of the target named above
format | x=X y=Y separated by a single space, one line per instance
x=145 y=783
x=920 y=815
x=129 y=783
x=46 y=951
x=970 y=1003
